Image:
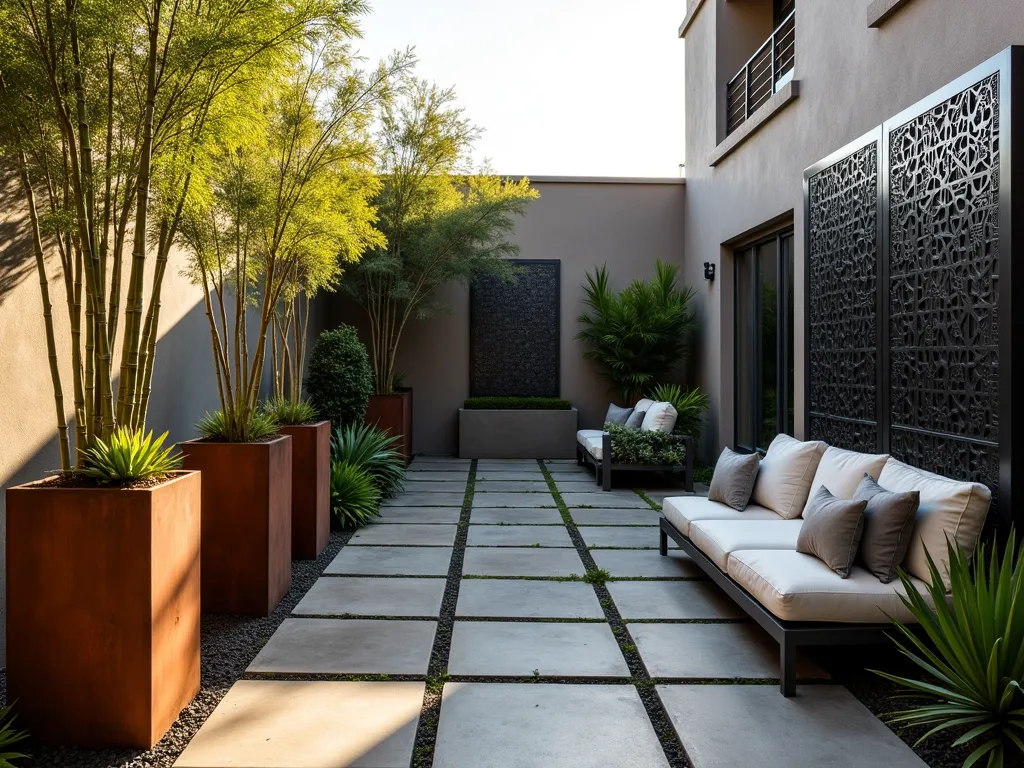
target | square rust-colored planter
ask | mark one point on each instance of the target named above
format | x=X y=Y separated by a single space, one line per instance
x=393 y=414
x=103 y=610
x=311 y=488
x=247 y=523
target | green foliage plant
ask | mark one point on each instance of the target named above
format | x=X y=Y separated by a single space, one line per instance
x=635 y=446
x=972 y=654
x=355 y=498
x=290 y=414
x=690 y=406
x=640 y=334
x=127 y=456
x=8 y=738
x=229 y=426
x=516 y=404
x=339 y=381
x=372 y=450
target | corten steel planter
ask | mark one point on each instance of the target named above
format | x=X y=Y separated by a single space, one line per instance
x=247 y=523
x=103 y=610
x=393 y=414
x=311 y=488
x=517 y=434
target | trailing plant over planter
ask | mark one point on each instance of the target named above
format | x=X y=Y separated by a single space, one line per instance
x=690 y=406
x=634 y=446
x=290 y=414
x=340 y=381
x=373 y=451
x=971 y=654
x=640 y=334
x=128 y=456
x=517 y=404
x=355 y=498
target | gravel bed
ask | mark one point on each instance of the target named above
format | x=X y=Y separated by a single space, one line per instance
x=228 y=645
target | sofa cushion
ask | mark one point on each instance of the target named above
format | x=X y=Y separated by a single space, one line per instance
x=643 y=404
x=799 y=587
x=591 y=440
x=888 y=526
x=682 y=510
x=636 y=418
x=661 y=417
x=841 y=471
x=617 y=415
x=832 y=530
x=784 y=478
x=717 y=538
x=734 y=478
x=948 y=508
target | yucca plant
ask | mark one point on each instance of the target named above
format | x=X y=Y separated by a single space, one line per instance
x=973 y=654
x=288 y=413
x=8 y=738
x=690 y=405
x=129 y=455
x=372 y=450
x=637 y=335
x=238 y=427
x=355 y=498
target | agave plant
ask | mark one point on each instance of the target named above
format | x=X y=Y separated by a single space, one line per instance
x=973 y=654
x=129 y=455
x=8 y=738
x=689 y=404
x=373 y=450
x=355 y=498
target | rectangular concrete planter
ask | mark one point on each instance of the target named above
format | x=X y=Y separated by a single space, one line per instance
x=517 y=434
x=247 y=523
x=393 y=414
x=103 y=610
x=311 y=488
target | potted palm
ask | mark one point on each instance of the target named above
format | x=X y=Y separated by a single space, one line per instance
x=441 y=223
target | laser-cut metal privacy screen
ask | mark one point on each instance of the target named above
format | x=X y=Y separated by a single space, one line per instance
x=514 y=332
x=909 y=313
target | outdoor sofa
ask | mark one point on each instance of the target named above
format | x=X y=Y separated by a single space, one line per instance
x=751 y=554
x=594 y=446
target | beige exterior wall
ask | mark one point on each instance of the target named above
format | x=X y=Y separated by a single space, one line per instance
x=851 y=78
x=626 y=224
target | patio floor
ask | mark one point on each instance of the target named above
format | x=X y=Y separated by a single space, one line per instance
x=458 y=632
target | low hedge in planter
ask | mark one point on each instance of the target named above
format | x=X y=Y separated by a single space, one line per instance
x=634 y=446
x=517 y=404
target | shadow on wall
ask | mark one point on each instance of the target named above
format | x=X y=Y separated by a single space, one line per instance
x=16 y=259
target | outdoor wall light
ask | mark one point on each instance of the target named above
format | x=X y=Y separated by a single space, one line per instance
x=709 y=270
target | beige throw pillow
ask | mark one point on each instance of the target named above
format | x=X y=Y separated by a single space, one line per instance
x=784 y=479
x=832 y=530
x=841 y=471
x=734 y=478
x=661 y=417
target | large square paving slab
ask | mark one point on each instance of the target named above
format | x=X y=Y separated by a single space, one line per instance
x=372 y=597
x=713 y=651
x=437 y=459
x=509 y=516
x=822 y=725
x=411 y=534
x=434 y=486
x=433 y=475
x=521 y=649
x=513 y=561
x=604 y=499
x=574 y=485
x=391 y=561
x=672 y=600
x=515 y=599
x=524 y=474
x=517 y=500
x=513 y=486
x=347 y=646
x=428 y=515
x=507 y=464
x=639 y=537
x=500 y=725
x=626 y=563
x=427 y=499
x=314 y=724
x=518 y=536
x=604 y=516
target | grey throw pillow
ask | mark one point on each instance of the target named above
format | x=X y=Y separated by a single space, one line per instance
x=832 y=530
x=617 y=415
x=888 y=526
x=636 y=418
x=734 y=478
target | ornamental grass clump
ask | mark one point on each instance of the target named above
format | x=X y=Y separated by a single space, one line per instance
x=972 y=654
x=355 y=497
x=129 y=455
x=372 y=450
x=290 y=414
x=235 y=427
x=8 y=738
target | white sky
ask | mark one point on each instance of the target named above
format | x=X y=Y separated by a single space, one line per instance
x=561 y=87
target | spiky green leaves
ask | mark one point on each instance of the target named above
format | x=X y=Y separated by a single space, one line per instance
x=372 y=450
x=690 y=406
x=127 y=456
x=289 y=414
x=8 y=738
x=238 y=426
x=355 y=499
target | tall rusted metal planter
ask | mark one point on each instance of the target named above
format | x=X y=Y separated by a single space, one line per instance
x=311 y=488
x=393 y=414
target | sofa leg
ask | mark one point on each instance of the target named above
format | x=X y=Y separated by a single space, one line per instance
x=787 y=663
x=606 y=476
x=663 y=543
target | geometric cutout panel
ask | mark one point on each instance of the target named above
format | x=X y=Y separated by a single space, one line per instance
x=514 y=332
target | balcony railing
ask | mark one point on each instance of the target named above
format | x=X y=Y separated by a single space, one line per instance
x=763 y=74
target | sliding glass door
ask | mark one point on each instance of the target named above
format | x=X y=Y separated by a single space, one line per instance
x=764 y=341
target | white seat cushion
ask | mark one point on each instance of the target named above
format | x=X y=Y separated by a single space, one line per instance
x=841 y=471
x=717 y=538
x=948 y=508
x=785 y=476
x=643 y=404
x=592 y=441
x=682 y=510
x=798 y=587
x=661 y=417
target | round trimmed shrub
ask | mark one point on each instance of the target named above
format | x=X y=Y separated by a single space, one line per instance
x=340 y=381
